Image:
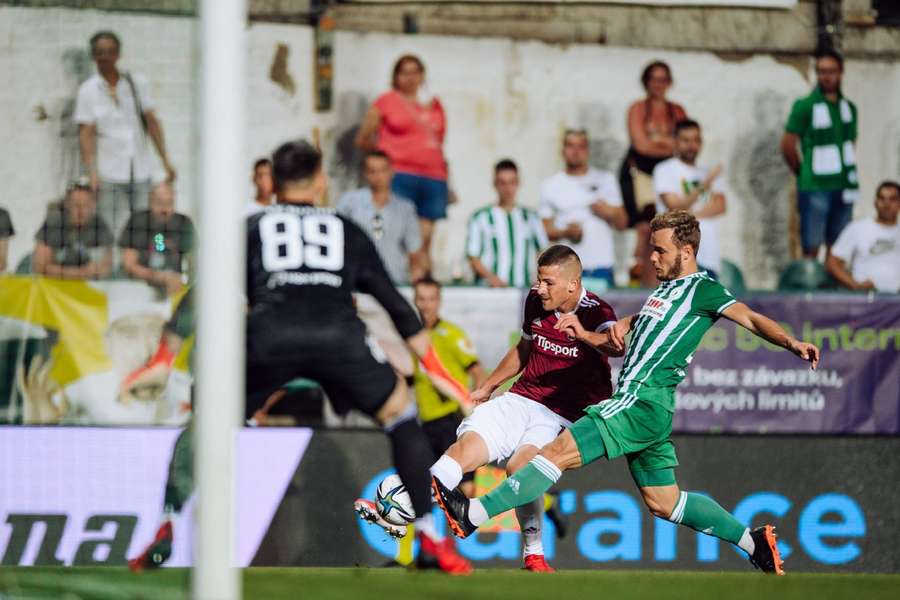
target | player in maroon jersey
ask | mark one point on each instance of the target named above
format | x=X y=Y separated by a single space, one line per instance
x=563 y=356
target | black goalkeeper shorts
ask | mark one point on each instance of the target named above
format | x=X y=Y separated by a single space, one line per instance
x=352 y=371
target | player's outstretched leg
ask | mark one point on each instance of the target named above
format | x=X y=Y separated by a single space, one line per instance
x=466 y=454
x=179 y=487
x=412 y=457
x=530 y=516
x=702 y=513
x=526 y=485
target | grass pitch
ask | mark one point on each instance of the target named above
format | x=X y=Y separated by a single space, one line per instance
x=82 y=583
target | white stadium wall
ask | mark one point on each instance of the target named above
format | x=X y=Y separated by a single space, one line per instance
x=503 y=99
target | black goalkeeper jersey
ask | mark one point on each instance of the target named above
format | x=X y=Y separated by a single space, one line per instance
x=303 y=263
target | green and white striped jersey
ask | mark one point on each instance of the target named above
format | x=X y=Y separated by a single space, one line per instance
x=667 y=331
x=507 y=242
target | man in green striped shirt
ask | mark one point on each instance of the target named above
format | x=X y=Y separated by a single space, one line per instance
x=637 y=421
x=504 y=239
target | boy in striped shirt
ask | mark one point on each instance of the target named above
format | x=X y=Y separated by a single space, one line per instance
x=504 y=239
x=636 y=422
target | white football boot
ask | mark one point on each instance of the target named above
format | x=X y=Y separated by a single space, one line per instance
x=368 y=511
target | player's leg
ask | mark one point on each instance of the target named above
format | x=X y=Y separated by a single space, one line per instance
x=490 y=434
x=353 y=377
x=179 y=487
x=543 y=427
x=412 y=456
x=409 y=445
x=653 y=471
x=530 y=516
x=573 y=448
x=464 y=455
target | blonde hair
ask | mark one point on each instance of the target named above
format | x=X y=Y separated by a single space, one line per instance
x=685 y=228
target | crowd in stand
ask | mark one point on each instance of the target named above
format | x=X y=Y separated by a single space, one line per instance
x=403 y=134
x=116 y=222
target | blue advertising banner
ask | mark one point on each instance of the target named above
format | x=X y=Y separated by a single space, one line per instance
x=829 y=498
x=93 y=496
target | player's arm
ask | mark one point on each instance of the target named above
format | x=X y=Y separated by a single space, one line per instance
x=618 y=330
x=598 y=340
x=478 y=375
x=510 y=365
x=770 y=331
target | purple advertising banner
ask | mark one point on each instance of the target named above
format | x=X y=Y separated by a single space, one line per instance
x=740 y=384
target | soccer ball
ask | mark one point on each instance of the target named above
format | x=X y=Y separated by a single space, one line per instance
x=393 y=501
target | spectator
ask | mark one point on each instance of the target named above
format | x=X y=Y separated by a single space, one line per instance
x=262 y=180
x=825 y=125
x=74 y=242
x=505 y=239
x=651 y=131
x=870 y=248
x=115 y=114
x=410 y=127
x=388 y=219
x=157 y=243
x=6 y=232
x=440 y=414
x=683 y=185
x=579 y=205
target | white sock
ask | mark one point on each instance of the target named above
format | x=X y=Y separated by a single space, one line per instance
x=746 y=543
x=477 y=515
x=448 y=471
x=426 y=526
x=530 y=516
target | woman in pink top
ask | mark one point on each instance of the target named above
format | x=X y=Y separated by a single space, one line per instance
x=409 y=126
x=651 y=126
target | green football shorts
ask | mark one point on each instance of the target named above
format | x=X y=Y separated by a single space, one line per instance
x=638 y=427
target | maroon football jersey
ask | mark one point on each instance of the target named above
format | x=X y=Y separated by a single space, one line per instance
x=563 y=374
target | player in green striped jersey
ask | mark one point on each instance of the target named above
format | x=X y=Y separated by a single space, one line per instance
x=637 y=421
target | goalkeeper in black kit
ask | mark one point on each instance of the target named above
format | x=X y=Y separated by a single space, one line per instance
x=303 y=264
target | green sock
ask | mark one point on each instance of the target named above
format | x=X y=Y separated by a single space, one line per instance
x=704 y=514
x=524 y=486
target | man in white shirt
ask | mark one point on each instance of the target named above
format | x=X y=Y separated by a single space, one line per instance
x=265 y=187
x=581 y=205
x=116 y=118
x=866 y=255
x=682 y=184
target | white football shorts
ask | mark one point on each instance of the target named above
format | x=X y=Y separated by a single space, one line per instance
x=510 y=421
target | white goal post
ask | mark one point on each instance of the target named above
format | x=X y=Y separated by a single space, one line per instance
x=219 y=293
